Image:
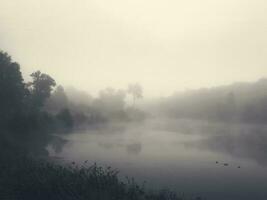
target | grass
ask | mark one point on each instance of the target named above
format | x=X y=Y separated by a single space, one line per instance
x=26 y=178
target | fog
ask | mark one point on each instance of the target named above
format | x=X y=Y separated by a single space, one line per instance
x=184 y=155
x=172 y=93
x=163 y=45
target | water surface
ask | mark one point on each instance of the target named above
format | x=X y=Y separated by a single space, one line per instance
x=184 y=155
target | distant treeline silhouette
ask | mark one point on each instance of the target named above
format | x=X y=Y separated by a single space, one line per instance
x=109 y=106
x=239 y=102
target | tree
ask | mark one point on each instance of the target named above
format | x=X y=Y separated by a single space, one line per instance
x=136 y=91
x=24 y=127
x=57 y=101
x=40 y=88
x=60 y=95
x=65 y=117
x=12 y=89
x=110 y=102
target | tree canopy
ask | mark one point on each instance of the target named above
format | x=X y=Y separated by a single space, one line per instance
x=40 y=87
x=136 y=91
x=12 y=88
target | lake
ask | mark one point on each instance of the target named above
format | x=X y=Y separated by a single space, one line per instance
x=222 y=161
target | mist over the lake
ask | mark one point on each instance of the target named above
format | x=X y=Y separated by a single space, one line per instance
x=133 y=100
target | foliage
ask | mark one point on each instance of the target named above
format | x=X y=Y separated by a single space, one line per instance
x=29 y=179
x=40 y=88
x=136 y=91
x=239 y=102
x=12 y=89
x=24 y=125
x=65 y=118
x=57 y=101
x=110 y=104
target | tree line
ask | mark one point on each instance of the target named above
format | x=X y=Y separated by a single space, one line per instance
x=31 y=111
x=24 y=123
x=238 y=102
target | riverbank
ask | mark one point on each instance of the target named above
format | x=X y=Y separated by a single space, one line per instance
x=27 y=178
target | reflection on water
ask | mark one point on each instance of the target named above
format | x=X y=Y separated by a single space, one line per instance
x=239 y=141
x=214 y=160
x=134 y=148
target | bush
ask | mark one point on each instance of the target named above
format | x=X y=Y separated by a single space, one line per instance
x=30 y=179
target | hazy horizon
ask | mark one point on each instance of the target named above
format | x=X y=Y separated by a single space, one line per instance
x=164 y=46
x=133 y=99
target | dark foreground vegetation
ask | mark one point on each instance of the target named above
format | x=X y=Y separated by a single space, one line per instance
x=30 y=179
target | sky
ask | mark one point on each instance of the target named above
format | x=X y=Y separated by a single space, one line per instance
x=165 y=45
